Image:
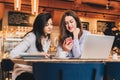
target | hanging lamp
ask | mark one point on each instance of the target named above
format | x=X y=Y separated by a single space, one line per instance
x=35 y=6
x=17 y=5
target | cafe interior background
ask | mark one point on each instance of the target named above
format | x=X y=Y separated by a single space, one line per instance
x=17 y=17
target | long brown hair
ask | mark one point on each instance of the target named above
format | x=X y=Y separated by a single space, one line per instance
x=64 y=33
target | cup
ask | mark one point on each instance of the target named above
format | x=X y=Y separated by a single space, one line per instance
x=62 y=54
x=115 y=56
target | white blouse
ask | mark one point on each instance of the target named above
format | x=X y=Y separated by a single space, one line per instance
x=77 y=48
x=28 y=46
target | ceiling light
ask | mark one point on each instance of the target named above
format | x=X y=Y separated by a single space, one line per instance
x=17 y=5
x=108 y=4
x=35 y=6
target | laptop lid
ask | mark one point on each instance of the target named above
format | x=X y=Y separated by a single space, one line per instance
x=97 y=47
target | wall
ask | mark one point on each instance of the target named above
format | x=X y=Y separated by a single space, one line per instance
x=2 y=10
x=93 y=23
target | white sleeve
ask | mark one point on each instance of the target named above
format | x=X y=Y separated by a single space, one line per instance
x=22 y=47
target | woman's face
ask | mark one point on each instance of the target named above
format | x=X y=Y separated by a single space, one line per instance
x=48 y=27
x=70 y=23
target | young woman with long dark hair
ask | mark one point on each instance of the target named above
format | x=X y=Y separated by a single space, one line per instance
x=35 y=42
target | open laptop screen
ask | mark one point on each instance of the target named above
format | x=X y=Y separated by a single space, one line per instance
x=97 y=47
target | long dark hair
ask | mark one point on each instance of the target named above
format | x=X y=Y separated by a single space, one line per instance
x=63 y=31
x=38 y=28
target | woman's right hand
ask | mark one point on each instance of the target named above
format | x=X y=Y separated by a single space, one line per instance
x=67 y=44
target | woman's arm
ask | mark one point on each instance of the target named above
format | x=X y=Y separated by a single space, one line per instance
x=77 y=48
x=78 y=44
x=22 y=47
x=66 y=47
x=59 y=50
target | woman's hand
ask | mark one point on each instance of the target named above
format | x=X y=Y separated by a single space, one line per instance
x=76 y=33
x=47 y=55
x=67 y=44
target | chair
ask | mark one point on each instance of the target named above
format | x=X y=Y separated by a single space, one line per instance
x=112 y=71
x=68 y=71
x=6 y=67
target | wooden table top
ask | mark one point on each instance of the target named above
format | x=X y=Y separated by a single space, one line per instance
x=66 y=60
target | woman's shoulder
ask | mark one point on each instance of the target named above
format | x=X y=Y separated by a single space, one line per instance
x=30 y=36
x=85 y=32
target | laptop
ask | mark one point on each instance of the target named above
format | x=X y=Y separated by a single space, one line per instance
x=32 y=56
x=97 y=46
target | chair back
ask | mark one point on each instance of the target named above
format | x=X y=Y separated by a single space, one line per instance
x=6 y=67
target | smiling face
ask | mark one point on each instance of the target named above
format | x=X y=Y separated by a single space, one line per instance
x=70 y=23
x=48 y=27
